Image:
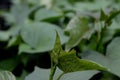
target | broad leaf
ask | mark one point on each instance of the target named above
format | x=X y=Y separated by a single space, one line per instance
x=22 y=10
x=46 y=14
x=96 y=5
x=6 y=75
x=42 y=74
x=38 y=74
x=40 y=37
x=112 y=58
x=77 y=28
x=79 y=75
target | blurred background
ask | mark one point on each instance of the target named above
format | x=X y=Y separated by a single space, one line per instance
x=25 y=48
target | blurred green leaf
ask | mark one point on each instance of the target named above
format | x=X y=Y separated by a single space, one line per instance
x=4 y=35
x=112 y=58
x=47 y=15
x=38 y=73
x=112 y=15
x=77 y=29
x=92 y=6
x=8 y=64
x=6 y=75
x=79 y=75
x=40 y=36
x=20 y=13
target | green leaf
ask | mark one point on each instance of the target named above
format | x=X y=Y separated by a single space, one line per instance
x=54 y=56
x=22 y=10
x=9 y=64
x=112 y=58
x=26 y=48
x=47 y=3
x=103 y=16
x=69 y=62
x=38 y=74
x=6 y=75
x=47 y=15
x=77 y=28
x=40 y=37
x=112 y=15
x=42 y=74
x=9 y=17
x=62 y=58
x=79 y=75
x=56 y=50
x=4 y=35
x=92 y=6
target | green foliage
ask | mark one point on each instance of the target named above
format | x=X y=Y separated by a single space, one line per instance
x=51 y=15
x=77 y=39
x=6 y=75
x=112 y=56
x=85 y=75
x=76 y=28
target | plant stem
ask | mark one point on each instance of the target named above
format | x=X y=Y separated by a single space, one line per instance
x=53 y=69
x=60 y=76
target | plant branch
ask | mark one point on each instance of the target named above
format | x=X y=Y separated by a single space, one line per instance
x=52 y=72
x=60 y=76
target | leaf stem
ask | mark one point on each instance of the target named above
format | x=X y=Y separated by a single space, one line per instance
x=60 y=76
x=53 y=69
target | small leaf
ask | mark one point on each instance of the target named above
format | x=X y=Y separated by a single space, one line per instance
x=6 y=75
x=56 y=50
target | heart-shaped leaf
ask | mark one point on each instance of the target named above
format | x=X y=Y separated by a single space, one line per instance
x=40 y=37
